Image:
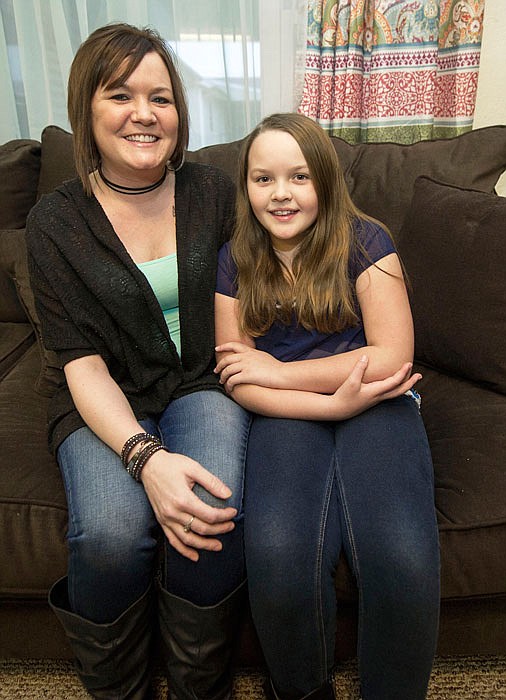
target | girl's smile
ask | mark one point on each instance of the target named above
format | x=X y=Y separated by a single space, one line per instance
x=280 y=188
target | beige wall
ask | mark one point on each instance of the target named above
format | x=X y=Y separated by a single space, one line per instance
x=491 y=97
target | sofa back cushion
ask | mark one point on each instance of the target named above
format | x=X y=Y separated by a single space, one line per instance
x=19 y=175
x=57 y=159
x=221 y=155
x=381 y=176
x=453 y=244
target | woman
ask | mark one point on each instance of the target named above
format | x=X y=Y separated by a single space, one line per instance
x=315 y=336
x=123 y=263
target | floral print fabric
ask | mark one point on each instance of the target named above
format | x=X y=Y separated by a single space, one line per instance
x=390 y=70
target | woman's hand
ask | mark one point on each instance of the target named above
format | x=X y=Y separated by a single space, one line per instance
x=168 y=480
x=355 y=395
x=242 y=364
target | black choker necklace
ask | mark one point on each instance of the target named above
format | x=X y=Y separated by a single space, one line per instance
x=133 y=190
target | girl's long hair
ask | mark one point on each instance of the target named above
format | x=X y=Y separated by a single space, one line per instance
x=319 y=292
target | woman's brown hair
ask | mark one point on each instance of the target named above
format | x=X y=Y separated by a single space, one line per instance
x=319 y=291
x=107 y=58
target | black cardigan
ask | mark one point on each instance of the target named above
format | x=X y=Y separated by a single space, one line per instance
x=92 y=298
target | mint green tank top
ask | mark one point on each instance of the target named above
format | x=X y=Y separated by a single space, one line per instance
x=162 y=276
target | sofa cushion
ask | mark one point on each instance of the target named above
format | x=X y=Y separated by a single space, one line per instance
x=381 y=176
x=15 y=339
x=11 y=309
x=19 y=176
x=50 y=375
x=453 y=244
x=33 y=512
x=224 y=156
x=465 y=426
x=57 y=159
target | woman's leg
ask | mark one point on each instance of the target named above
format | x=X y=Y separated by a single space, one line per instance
x=213 y=430
x=292 y=541
x=200 y=603
x=106 y=604
x=385 y=477
x=112 y=535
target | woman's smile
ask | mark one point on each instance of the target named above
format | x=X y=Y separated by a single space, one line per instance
x=135 y=125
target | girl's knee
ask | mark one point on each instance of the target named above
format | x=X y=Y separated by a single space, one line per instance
x=408 y=575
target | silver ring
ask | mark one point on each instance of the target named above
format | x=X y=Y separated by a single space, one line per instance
x=188 y=526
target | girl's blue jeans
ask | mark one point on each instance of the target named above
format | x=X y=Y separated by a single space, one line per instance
x=364 y=486
x=113 y=535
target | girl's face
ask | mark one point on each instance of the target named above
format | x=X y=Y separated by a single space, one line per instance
x=135 y=126
x=280 y=189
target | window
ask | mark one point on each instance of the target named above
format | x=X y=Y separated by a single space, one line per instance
x=236 y=58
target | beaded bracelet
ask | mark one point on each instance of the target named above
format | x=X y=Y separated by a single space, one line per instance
x=132 y=442
x=130 y=465
x=146 y=452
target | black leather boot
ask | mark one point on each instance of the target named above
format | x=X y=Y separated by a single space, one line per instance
x=112 y=660
x=198 y=643
x=324 y=692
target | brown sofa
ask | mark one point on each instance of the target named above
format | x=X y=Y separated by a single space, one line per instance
x=453 y=241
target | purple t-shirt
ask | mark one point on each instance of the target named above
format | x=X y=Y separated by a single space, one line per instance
x=294 y=342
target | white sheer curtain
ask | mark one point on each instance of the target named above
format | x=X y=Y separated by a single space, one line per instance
x=238 y=58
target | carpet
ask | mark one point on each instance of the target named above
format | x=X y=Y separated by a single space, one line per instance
x=462 y=678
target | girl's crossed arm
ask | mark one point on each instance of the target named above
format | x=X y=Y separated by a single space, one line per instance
x=388 y=327
x=332 y=388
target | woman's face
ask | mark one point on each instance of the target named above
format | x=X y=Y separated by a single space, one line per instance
x=135 y=126
x=280 y=188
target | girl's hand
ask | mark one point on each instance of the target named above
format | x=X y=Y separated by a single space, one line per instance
x=168 y=480
x=355 y=396
x=243 y=364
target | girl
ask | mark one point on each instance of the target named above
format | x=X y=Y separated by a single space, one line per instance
x=315 y=336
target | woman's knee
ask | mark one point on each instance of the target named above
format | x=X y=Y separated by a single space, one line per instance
x=113 y=539
x=213 y=430
x=108 y=510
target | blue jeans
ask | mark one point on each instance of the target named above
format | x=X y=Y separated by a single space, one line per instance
x=113 y=534
x=363 y=486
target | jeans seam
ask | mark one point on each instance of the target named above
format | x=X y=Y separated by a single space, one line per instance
x=355 y=563
x=318 y=576
x=246 y=432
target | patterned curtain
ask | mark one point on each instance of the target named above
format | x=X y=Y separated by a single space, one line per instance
x=392 y=70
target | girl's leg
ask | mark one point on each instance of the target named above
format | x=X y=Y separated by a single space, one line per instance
x=385 y=477
x=112 y=534
x=292 y=540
